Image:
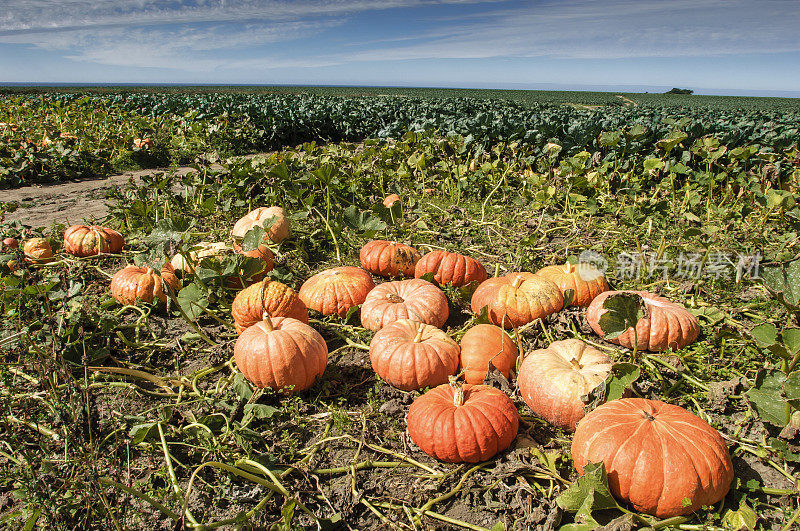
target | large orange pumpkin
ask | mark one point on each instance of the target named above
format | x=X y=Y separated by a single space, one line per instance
x=450 y=268
x=412 y=355
x=134 y=283
x=469 y=423
x=278 y=232
x=517 y=298
x=90 y=240
x=661 y=458
x=415 y=299
x=553 y=380
x=37 y=250
x=667 y=325
x=283 y=354
x=334 y=291
x=484 y=343
x=585 y=281
x=389 y=259
x=267 y=296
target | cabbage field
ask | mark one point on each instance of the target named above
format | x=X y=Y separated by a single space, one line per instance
x=467 y=310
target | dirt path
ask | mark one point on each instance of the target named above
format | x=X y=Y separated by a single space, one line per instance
x=70 y=202
x=627 y=101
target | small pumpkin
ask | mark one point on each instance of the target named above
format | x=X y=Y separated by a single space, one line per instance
x=91 y=240
x=584 y=279
x=450 y=268
x=37 y=250
x=415 y=299
x=267 y=296
x=11 y=243
x=553 y=380
x=666 y=326
x=134 y=283
x=278 y=232
x=462 y=423
x=389 y=259
x=660 y=458
x=390 y=200
x=142 y=143
x=411 y=355
x=517 y=298
x=334 y=291
x=281 y=353
x=484 y=343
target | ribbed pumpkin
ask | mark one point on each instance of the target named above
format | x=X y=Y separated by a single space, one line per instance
x=484 y=343
x=334 y=291
x=552 y=380
x=389 y=259
x=469 y=423
x=278 y=232
x=390 y=200
x=37 y=250
x=517 y=298
x=667 y=325
x=411 y=355
x=270 y=296
x=134 y=283
x=585 y=280
x=450 y=268
x=281 y=353
x=219 y=250
x=90 y=240
x=415 y=299
x=660 y=458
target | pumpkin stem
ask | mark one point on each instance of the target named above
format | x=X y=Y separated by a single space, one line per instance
x=648 y=416
x=395 y=298
x=420 y=331
x=267 y=322
x=569 y=267
x=458 y=391
x=517 y=282
x=576 y=364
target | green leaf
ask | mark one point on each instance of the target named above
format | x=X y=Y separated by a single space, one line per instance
x=791 y=338
x=363 y=222
x=623 y=311
x=767 y=398
x=141 y=432
x=791 y=389
x=653 y=164
x=589 y=492
x=193 y=299
x=785 y=282
x=430 y=277
x=621 y=379
x=242 y=387
x=259 y=411
x=711 y=314
x=765 y=334
x=254 y=238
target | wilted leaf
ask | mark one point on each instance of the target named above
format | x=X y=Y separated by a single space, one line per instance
x=589 y=492
x=623 y=311
x=621 y=379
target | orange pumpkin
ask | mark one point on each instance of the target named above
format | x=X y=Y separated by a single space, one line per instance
x=142 y=143
x=484 y=343
x=411 y=355
x=278 y=232
x=11 y=243
x=282 y=353
x=262 y=252
x=134 y=283
x=91 y=240
x=267 y=296
x=415 y=299
x=37 y=250
x=390 y=200
x=450 y=268
x=334 y=291
x=660 y=458
x=469 y=423
x=553 y=380
x=667 y=325
x=389 y=259
x=585 y=281
x=517 y=298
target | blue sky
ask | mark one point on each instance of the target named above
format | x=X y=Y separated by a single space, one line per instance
x=713 y=46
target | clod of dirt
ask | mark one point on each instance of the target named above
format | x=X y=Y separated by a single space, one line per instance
x=718 y=393
x=393 y=408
